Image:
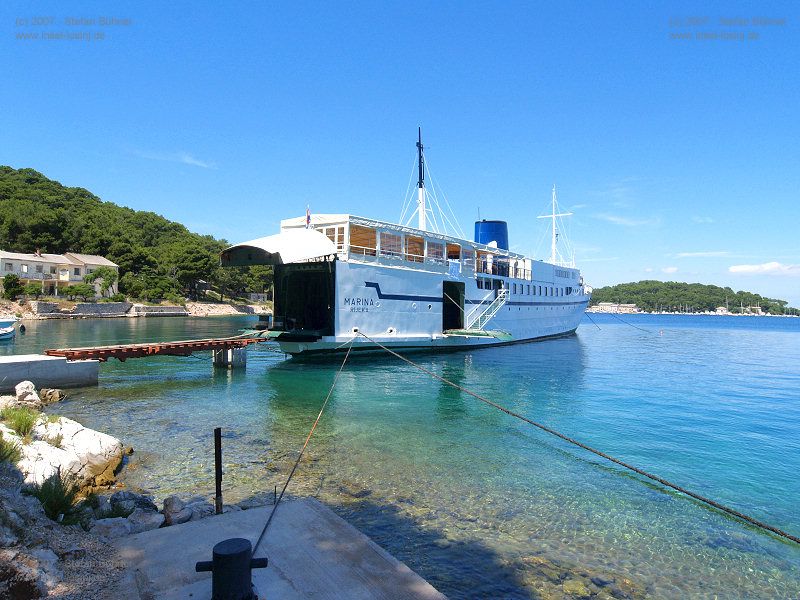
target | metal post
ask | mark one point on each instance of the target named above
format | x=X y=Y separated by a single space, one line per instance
x=218 y=469
x=231 y=577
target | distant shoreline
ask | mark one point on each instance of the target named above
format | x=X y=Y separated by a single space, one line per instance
x=693 y=314
x=119 y=310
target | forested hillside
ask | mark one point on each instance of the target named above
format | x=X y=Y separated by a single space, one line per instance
x=158 y=258
x=670 y=295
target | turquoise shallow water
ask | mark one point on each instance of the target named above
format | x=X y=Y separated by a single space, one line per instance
x=474 y=501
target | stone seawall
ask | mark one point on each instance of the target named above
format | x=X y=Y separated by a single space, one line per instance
x=141 y=310
x=83 y=310
x=43 y=308
x=51 y=310
x=101 y=309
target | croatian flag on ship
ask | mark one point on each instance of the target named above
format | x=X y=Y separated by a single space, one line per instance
x=308 y=217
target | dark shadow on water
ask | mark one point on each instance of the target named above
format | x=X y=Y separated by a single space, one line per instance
x=458 y=569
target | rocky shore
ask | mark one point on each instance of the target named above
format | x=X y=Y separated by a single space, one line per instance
x=36 y=310
x=67 y=552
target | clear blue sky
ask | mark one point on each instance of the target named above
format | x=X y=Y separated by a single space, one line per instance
x=679 y=157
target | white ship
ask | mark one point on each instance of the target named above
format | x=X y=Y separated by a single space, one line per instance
x=341 y=279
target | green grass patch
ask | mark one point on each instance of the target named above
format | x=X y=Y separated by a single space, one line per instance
x=21 y=420
x=53 y=418
x=58 y=494
x=54 y=440
x=9 y=451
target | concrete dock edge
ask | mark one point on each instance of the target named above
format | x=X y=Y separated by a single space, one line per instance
x=313 y=553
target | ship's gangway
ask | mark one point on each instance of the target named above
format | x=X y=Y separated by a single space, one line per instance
x=220 y=346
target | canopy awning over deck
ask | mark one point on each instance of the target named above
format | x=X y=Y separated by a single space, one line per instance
x=289 y=246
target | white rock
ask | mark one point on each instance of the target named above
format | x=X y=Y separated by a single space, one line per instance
x=26 y=394
x=98 y=454
x=40 y=461
x=9 y=434
x=7 y=401
x=111 y=528
x=145 y=520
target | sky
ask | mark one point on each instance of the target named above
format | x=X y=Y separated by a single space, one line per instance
x=672 y=134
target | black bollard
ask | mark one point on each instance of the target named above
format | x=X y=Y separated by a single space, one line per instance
x=231 y=577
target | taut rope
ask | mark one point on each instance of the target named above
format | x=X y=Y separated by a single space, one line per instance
x=575 y=442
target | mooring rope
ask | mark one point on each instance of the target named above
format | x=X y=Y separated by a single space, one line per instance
x=566 y=438
x=303 y=449
x=592 y=320
x=628 y=324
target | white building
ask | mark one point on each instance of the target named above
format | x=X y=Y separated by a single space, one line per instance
x=54 y=271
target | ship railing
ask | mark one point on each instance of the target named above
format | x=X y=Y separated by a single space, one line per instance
x=479 y=320
x=383 y=256
x=363 y=250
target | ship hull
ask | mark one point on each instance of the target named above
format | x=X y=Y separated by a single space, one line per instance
x=333 y=306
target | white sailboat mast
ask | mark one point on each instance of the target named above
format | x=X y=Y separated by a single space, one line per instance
x=421 y=208
x=554 y=238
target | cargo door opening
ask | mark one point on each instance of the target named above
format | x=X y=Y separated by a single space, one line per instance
x=452 y=305
x=304 y=298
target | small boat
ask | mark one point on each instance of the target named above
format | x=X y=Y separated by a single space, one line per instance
x=7 y=330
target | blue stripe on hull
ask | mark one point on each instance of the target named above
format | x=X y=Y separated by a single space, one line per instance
x=382 y=296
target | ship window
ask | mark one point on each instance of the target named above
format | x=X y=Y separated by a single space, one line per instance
x=453 y=252
x=513 y=288
x=334 y=234
x=363 y=240
x=529 y=289
x=435 y=252
x=468 y=258
x=391 y=244
x=415 y=248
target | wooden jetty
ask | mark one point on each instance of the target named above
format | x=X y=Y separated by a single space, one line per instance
x=224 y=350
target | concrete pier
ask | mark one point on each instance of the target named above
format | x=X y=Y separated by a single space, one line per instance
x=46 y=371
x=312 y=553
x=230 y=358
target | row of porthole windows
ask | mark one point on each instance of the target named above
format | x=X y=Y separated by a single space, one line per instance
x=526 y=289
x=519 y=308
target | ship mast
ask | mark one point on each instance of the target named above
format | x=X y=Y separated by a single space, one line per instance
x=421 y=184
x=553 y=250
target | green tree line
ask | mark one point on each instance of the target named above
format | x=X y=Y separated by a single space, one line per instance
x=653 y=295
x=157 y=258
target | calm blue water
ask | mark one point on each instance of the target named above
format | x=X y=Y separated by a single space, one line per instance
x=478 y=503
